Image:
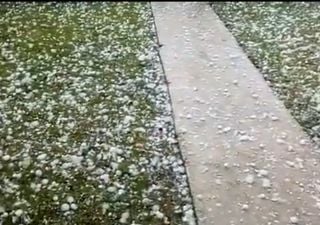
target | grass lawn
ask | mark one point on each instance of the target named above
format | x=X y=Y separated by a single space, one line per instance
x=86 y=130
x=283 y=40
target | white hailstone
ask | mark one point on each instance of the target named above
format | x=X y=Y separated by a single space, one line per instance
x=226 y=129
x=133 y=170
x=112 y=189
x=226 y=165
x=105 y=207
x=74 y=206
x=154 y=161
x=140 y=129
x=38 y=187
x=183 y=130
x=155 y=208
x=159 y=215
x=253 y=117
x=2 y=209
x=245 y=207
x=27 y=80
x=104 y=178
x=249 y=179
x=118 y=151
x=25 y=163
x=41 y=157
x=18 y=212
x=5 y=214
x=290 y=163
x=38 y=173
x=50 y=116
x=1 y=153
x=76 y=160
x=185 y=192
x=118 y=173
x=244 y=138
x=274 y=118
x=55 y=198
x=290 y=148
x=189 y=116
x=189 y=217
x=199 y=196
x=65 y=207
x=254 y=96
x=179 y=169
x=68 y=165
x=9 y=137
x=45 y=181
x=280 y=141
x=114 y=165
x=121 y=191
x=54 y=163
x=146 y=201
x=124 y=217
x=206 y=169
x=266 y=183
x=262 y=196
x=262 y=146
x=142 y=57
x=6 y=157
x=33 y=186
x=34 y=124
x=128 y=119
x=303 y=142
x=70 y=199
x=263 y=173
x=294 y=220
x=235 y=82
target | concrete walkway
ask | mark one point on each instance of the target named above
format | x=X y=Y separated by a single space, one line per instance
x=248 y=161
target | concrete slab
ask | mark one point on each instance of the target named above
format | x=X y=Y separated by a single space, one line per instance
x=248 y=161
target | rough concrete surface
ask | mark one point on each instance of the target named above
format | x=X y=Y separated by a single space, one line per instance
x=248 y=161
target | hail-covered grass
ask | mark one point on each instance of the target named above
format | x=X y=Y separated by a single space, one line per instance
x=283 y=40
x=86 y=133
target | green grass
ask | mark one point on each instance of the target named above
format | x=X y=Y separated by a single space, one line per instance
x=79 y=103
x=283 y=40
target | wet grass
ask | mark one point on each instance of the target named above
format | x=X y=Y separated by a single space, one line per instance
x=283 y=40
x=85 y=130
